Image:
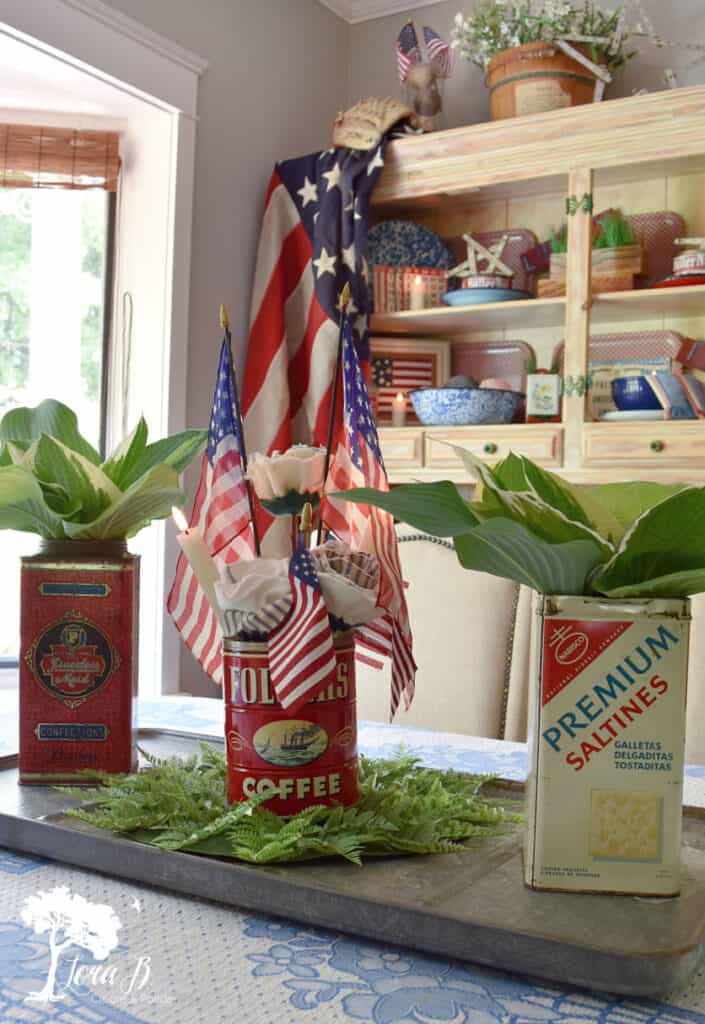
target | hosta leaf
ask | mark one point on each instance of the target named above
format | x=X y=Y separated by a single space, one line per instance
x=435 y=508
x=177 y=451
x=676 y=584
x=628 y=501
x=23 y=426
x=151 y=497
x=666 y=540
x=573 y=501
x=506 y=548
x=120 y=464
x=86 y=485
x=546 y=522
x=23 y=506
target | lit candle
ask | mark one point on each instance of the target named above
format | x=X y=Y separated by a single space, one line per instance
x=194 y=548
x=399 y=409
x=416 y=297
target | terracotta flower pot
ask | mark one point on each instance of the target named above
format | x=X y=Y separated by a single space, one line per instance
x=536 y=77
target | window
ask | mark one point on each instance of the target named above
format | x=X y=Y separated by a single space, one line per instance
x=55 y=259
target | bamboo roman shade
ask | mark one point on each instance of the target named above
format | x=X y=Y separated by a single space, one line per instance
x=35 y=157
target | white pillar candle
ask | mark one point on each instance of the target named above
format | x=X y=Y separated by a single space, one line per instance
x=399 y=410
x=198 y=556
x=416 y=296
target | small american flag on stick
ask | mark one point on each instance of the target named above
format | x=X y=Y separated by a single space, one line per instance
x=301 y=655
x=439 y=53
x=221 y=512
x=358 y=463
x=408 y=52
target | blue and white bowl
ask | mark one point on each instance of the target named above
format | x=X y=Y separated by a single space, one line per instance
x=461 y=407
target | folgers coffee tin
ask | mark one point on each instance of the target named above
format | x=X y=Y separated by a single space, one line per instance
x=310 y=758
x=607 y=733
x=78 y=662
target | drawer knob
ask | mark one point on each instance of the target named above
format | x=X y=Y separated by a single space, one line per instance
x=490 y=448
x=657 y=446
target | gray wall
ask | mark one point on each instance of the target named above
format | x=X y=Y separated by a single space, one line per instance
x=277 y=76
x=373 y=62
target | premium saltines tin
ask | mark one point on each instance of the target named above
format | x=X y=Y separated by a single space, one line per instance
x=607 y=745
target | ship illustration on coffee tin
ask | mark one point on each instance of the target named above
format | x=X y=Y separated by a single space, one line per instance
x=290 y=742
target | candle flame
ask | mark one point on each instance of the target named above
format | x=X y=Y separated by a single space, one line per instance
x=180 y=519
x=419 y=279
x=400 y=397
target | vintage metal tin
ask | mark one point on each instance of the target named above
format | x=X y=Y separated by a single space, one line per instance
x=78 y=664
x=307 y=758
x=607 y=735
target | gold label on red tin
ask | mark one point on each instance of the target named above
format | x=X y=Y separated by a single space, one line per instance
x=72 y=659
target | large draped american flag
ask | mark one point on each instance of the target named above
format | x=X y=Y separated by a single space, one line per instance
x=313 y=242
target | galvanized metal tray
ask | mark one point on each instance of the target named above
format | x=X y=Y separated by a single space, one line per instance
x=470 y=906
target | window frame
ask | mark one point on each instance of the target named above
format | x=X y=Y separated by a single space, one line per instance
x=122 y=53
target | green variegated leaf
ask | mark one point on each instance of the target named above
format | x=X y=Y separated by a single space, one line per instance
x=525 y=507
x=677 y=584
x=667 y=540
x=89 y=489
x=23 y=506
x=177 y=451
x=574 y=502
x=435 y=508
x=506 y=548
x=151 y=497
x=627 y=501
x=23 y=426
x=123 y=460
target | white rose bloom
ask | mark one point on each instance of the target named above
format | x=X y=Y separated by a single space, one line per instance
x=300 y=469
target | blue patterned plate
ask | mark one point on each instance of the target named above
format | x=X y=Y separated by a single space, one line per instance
x=479 y=296
x=402 y=243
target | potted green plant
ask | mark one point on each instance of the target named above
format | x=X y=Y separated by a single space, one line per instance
x=613 y=567
x=80 y=593
x=617 y=254
x=520 y=45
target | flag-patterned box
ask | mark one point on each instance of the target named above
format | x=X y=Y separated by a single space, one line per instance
x=392 y=286
x=78 y=663
x=305 y=758
x=402 y=365
x=607 y=735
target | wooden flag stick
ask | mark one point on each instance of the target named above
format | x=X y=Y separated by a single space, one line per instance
x=344 y=300
x=225 y=324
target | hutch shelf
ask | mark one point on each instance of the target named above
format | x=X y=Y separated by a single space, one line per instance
x=642 y=154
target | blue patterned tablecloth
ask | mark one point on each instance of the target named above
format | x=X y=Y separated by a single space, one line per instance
x=175 y=960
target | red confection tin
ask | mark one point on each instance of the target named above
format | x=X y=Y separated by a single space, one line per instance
x=78 y=662
x=305 y=759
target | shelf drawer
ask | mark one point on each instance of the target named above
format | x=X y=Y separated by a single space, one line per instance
x=645 y=444
x=542 y=444
x=401 y=446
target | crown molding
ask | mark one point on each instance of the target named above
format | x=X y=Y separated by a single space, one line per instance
x=139 y=33
x=355 y=11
